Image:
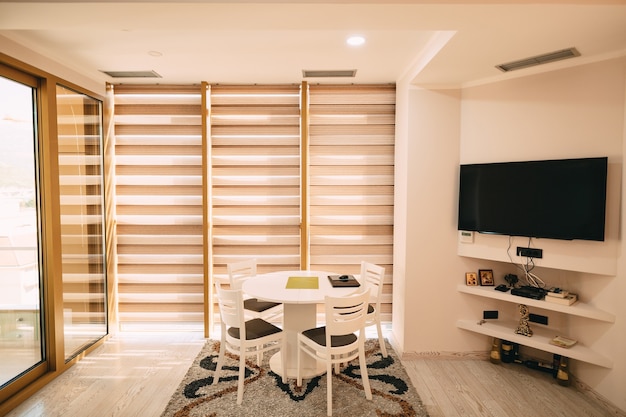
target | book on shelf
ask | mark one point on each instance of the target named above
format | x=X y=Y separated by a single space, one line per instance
x=568 y=300
x=563 y=341
x=557 y=292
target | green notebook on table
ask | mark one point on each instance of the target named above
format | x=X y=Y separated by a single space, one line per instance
x=302 y=283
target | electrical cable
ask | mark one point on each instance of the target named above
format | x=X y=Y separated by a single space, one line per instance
x=532 y=279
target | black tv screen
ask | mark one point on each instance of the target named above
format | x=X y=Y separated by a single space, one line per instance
x=556 y=199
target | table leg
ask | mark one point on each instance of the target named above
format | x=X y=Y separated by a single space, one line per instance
x=296 y=318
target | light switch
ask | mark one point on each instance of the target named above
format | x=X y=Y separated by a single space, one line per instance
x=466 y=236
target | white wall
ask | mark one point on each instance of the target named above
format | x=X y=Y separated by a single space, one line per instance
x=426 y=305
x=574 y=112
x=49 y=65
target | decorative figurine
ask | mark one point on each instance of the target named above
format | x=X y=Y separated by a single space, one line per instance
x=494 y=355
x=511 y=279
x=509 y=352
x=562 y=374
x=523 y=328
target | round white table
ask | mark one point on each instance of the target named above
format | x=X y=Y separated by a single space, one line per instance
x=299 y=312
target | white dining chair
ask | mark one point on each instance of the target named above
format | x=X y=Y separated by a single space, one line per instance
x=244 y=337
x=240 y=271
x=373 y=276
x=342 y=339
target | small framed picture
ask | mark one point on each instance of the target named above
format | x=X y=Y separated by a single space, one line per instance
x=471 y=278
x=486 y=277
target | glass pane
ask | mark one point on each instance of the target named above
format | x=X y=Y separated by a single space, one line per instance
x=20 y=331
x=82 y=221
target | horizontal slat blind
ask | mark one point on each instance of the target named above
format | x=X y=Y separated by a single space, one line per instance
x=255 y=193
x=159 y=205
x=255 y=158
x=351 y=151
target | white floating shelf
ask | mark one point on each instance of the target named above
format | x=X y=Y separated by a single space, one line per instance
x=505 y=329
x=577 y=309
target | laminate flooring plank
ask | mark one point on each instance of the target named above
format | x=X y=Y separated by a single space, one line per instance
x=135 y=374
x=448 y=389
x=419 y=374
x=129 y=375
x=497 y=390
x=540 y=392
x=465 y=400
x=477 y=389
x=486 y=389
x=431 y=379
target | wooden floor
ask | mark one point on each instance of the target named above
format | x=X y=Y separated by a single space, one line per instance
x=473 y=387
x=134 y=374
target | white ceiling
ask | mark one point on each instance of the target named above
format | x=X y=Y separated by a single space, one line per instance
x=451 y=43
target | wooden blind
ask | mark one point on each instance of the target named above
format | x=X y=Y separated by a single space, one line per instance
x=351 y=151
x=255 y=193
x=255 y=174
x=158 y=152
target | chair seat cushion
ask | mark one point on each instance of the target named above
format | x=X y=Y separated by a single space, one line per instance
x=258 y=306
x=318 y=335
x=255 y=329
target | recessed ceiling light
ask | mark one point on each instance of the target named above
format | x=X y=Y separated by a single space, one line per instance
x=355 y=40
x=155 y=53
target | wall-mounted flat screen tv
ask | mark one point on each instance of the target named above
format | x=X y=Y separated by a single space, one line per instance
x=555 y=199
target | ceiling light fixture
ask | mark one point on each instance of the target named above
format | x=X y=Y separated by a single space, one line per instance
x=356 y=40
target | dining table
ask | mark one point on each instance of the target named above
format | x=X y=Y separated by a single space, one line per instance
x=300 y=292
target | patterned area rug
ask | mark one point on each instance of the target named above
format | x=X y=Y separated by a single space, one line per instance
x=266 y=395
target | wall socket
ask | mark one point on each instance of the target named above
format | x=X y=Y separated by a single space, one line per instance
x=530 y=252
x=538 y=318
x=490 y=314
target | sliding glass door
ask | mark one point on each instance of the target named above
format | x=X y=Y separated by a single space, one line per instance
x=81 y=193
x=53 y=282
x=21 y=346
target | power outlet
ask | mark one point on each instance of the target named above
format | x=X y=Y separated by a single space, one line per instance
x=490 y=314
x=530 y=252
x=538 y=318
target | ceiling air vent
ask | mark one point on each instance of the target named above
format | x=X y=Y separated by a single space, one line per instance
x=132 y=74
x=539 y=59
x=328 y=73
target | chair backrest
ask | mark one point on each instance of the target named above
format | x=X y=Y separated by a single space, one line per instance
x=374 y=276
x=238 y=272
x=231 y=308
x=346 y=315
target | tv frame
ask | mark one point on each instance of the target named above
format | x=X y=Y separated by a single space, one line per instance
x=521 y=178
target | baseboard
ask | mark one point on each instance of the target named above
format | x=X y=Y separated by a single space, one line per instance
x=478 y=355
x=588 y=391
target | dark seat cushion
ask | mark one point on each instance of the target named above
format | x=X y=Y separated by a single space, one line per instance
x=318 y=335
x=257 y=305
x=370 y=308
x=255 y=329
